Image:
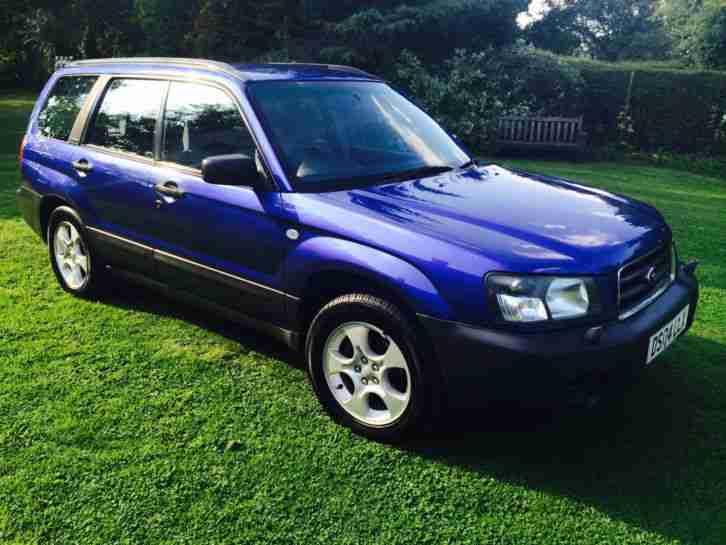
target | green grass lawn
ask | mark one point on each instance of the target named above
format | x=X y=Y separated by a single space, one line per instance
x=116 y=418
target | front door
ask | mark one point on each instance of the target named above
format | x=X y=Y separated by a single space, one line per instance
x=222 y=243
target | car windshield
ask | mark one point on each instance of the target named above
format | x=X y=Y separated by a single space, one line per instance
x=328 y=133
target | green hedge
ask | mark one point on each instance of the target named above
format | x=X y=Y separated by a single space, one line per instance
x=677 y=110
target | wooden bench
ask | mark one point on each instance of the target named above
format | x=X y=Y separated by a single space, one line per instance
x=553 y=133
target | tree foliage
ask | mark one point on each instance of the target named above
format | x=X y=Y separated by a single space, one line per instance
x=471 y=90
x=379 y=34
x=370 y=33
x=464 y=59
x=556 y=31
x=698 y=30
x=668 y=109
x=610 y=30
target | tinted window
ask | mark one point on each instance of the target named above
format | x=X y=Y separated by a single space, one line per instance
x=126 y=119
x=361 y=132
x=200 y=122
x=61 y=109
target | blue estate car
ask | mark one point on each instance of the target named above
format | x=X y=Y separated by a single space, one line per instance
x=318 y=204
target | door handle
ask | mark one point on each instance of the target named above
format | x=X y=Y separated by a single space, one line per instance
x=83 y=166
x=169 y=189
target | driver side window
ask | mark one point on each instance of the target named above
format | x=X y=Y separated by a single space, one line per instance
x=202 y=121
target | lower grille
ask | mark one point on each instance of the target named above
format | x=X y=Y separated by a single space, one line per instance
x=643 y=279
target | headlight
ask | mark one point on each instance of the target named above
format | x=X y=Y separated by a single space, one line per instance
x=522 y=309
x=542 y=298
x=568 y=298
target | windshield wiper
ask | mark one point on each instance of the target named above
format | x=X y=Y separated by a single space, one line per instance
x=468 y=164
x=422 y=172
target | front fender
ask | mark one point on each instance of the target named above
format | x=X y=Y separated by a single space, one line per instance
x=323 y=254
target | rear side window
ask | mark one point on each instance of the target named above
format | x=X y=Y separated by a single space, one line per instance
x=65 y=101
x=202 y=121
x=126 y=119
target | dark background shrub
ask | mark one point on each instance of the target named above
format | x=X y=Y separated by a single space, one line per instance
x=677 y=110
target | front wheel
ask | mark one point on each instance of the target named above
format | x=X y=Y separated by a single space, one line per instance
x=364 y=364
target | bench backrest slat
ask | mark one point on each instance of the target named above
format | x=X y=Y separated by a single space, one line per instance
x=540 y=130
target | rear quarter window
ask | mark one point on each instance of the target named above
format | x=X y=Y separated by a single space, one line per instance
x=64 y=102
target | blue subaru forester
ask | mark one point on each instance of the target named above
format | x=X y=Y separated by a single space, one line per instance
x=318 y=204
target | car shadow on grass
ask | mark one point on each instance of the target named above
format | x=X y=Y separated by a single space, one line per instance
x=126 y=295
x=652 y=457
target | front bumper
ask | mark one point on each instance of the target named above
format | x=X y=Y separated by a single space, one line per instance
x=488 y=364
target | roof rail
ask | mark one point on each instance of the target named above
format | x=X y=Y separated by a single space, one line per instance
x=323 y=65
x=200 y=63
x=233 y=70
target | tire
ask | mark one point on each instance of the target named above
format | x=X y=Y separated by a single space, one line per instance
x=365 y=366
x=77 y=270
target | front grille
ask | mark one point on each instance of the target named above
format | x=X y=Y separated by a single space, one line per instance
x=642 y=279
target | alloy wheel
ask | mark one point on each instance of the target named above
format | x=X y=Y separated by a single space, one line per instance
x=71 y=256
x=367 y=373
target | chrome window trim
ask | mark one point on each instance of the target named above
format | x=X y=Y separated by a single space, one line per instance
x=181 y=168
x=170 y=79
x=193 y=263
x=121 y=154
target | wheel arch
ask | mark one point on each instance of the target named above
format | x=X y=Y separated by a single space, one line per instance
x=325 y=285
x=48 y=204
x=323 y=268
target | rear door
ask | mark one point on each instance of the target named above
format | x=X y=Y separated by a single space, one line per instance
x=50 y=151
x=116 y=169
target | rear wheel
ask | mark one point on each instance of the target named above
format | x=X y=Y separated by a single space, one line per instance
x=364 y=364
x=76 y=269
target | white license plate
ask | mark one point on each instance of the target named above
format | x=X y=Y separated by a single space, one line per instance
x=667 y=334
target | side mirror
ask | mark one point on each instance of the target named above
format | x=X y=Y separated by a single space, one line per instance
x=237 y=169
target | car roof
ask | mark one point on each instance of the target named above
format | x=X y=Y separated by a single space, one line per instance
x=242 y=71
